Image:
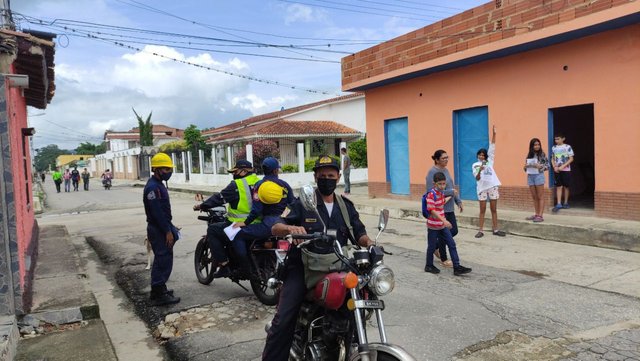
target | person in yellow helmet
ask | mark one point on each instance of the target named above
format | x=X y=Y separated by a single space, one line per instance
x=269 y=211
x=161 y=233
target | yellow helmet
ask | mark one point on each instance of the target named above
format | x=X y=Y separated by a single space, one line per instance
x=161 y=160
x=270 y=192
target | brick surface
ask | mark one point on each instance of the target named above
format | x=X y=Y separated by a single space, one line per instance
x=475 y=23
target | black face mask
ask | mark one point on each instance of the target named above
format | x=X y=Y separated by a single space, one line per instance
x=326 y=186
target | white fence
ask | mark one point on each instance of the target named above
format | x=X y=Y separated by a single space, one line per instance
x=295 y=180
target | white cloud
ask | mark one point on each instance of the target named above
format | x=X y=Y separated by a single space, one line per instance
x=257 y=105
x=302 y=13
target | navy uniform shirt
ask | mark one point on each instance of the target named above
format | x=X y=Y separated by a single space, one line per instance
x=298 y=216
x=228 y=195
x=156 y=205
x=259 y=209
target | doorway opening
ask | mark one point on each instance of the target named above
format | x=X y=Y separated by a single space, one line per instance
x=576 y=123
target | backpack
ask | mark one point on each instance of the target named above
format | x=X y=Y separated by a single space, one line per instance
x=425 y=213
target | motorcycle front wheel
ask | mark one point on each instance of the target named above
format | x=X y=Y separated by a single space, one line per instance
x=266 y=265
x=378 y=356
x=203 y=262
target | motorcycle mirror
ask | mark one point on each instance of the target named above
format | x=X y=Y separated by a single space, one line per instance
x=309 y=202
x=383 y=220
x=308 y=198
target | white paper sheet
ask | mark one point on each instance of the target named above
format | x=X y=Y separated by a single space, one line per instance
x=532 y=161
x=231 y=232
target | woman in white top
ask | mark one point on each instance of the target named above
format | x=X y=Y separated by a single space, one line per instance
x=487 y=186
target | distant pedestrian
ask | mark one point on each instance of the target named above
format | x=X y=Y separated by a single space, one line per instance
x=85 y=179
x=439 y=228
x=161 y=233
x=75 y=178
x=441 y=160
x=67 y=180
x=535 y=166
x=561 y=159
x=487 y=186
x=346 y=170
x=57 y=179
x=42 y=177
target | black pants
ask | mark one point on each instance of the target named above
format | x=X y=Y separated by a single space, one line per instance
x=57 y=182
x=283 y=325
x=442 y=245
x=217 y=240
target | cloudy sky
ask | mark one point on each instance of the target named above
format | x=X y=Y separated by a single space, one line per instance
x=200 y=62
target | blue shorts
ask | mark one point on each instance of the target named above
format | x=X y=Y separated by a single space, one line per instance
x=535 y=179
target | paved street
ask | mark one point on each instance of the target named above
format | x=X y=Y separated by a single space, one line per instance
x=526 y=299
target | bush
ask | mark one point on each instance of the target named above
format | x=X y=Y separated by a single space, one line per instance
x=290 y=168
x=358 y=153
x=309 y=164
x=261 y=149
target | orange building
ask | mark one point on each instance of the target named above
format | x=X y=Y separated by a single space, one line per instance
x=531 y=68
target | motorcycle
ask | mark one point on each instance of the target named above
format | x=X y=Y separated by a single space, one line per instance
x=332 y=320
x=106 y=183
x=264 y=261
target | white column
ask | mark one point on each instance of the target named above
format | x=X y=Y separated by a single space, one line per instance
x=343 y=145
x=214 y=156
x=184 y=164
x=249 y=149
x=201 y=157
x=189 y=162
x=173 y=160
x=300 y=157
x=229 y=165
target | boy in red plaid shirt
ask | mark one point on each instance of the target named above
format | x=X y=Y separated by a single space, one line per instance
x=439 y=227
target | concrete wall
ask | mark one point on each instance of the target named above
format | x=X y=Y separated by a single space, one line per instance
x=519 y=90
x=350 y=113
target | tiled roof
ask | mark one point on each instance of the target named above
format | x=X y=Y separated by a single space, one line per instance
x=289 y=128
x=275 y=115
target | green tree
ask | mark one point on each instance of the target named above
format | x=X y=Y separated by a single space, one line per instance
x=358 y=153
x=145 y=128
x=175 y=146
x=46 y=157
x=101 y=148
x=193 y=137
x=87 y=148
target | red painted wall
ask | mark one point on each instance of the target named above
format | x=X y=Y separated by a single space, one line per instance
x=25 y=220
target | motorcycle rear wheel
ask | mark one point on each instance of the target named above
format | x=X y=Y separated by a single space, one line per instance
x=267 y=264
x=203 y=262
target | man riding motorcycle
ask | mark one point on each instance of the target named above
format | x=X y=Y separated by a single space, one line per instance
x=238 y=195
x=270 y=198
x=338 y=213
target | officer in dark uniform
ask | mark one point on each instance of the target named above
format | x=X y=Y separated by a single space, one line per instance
x=161 y=233
x=238 y=195
x=301 y=221
x=268 y=213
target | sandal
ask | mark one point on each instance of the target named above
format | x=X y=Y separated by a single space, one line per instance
x=446 y=263
x=479 y=234
x=499 y=233
x=531 y=218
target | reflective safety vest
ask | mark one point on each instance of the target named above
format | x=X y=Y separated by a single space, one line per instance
x=246 y=199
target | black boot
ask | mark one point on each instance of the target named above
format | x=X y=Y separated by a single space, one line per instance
x=160 y=296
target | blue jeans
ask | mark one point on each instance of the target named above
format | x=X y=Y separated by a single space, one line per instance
x=163 y=257
x=432 y=243
x=442 y=245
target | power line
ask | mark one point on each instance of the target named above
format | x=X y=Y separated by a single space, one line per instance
x=446 y=12
x=373 y=8
x=156 y=10
x=354 y=11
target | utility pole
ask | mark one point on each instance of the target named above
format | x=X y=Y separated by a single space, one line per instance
x=6 y=21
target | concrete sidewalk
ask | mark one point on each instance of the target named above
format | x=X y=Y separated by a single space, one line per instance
x=64 y=323
x=578 y=226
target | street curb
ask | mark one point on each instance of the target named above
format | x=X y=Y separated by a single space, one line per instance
x=9 y=337
x=584 y=235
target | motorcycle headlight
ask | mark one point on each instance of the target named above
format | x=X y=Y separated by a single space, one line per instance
x=382 y=280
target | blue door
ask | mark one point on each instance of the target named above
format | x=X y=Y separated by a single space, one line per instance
x=396 y=139
x=470 y=133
